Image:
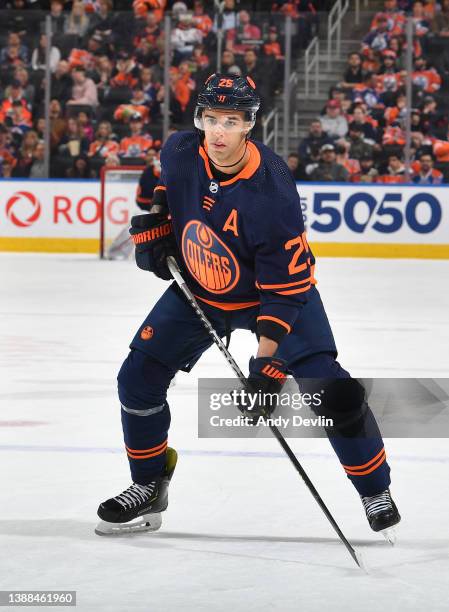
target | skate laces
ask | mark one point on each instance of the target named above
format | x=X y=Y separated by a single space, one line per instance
x=136 y=494
x=377 y=503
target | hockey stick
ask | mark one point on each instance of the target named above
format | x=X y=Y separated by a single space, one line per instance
x=176 y=273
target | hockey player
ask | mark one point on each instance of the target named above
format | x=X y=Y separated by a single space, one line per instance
x=227 y=208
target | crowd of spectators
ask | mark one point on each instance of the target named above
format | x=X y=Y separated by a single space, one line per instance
x=360 y=134
x=107 y=72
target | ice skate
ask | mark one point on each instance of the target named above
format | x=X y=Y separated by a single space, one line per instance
x=382 y=514
x=139 y=507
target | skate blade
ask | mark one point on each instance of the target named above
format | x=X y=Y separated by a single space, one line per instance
x=390 y=535
x=147 y=522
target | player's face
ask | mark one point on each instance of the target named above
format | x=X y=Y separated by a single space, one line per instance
x=225 y=133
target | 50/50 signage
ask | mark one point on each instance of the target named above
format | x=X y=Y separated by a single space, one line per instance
x=375 y=213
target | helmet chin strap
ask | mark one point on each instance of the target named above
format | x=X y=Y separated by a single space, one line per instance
x=230 y=165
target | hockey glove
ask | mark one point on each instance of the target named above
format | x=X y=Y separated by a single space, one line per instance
x=267 y=376
x=153 y=237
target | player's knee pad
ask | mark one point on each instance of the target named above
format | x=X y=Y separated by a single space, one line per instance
x=342 y=398
x=142 y=383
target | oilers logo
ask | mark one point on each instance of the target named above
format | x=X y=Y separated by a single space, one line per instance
x=208 y=259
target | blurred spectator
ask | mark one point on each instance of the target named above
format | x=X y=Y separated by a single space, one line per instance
x=37 y=169
x=57 y=16
x=328 y=169
x=394 y=172
x=149 y=31
x=86 y=126
x=354 y=71
x=228 y=63
x=6 y=169
x=84 y=90
x=14 y=50
x=137 y=144
x=333 y=122
x=38 y=58
x=80 y=57
x=366 y=91
x=77 y=22
x=358 y=146
x=295 y=167
x=57 y=124
x=112 y=160
x=184 y=37
x=245 y=36
x=61 y=83
x=20 y=120
x=394 y=17
x=425 y=79
x=368 y=173
x=273 y=46
x=6 y=157
x=379 y=37
x=342 y=157
x=421 y=22
x=73 y=141
x=21 y=75
x=151 y=91
x=369 y=125
x=440 y=24
x=399 y=111
x=254 y=69
x=201 y=20
x=314 y=141
x=126 y=72
x=425 y=173
x=142 y=7
x=14 y=93
x=182 y=86
x=103 y=144
x=228 y=20
x=25 y=156
x=80 y=168
x=102 y=21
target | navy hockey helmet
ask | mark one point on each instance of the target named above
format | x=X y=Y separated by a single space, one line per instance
x=226 y=92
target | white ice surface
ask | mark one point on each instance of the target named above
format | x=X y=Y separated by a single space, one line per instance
x=242 y=532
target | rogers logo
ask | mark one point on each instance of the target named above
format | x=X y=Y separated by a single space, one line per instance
x=24 y=204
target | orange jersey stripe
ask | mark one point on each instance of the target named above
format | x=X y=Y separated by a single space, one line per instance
x=275 y=320
x=160 y=188
x=365 y=465
x=306 y=280
x=368 y=471
x=149 y=455
x=224 y=306
x=146 y=450
x=292 y=291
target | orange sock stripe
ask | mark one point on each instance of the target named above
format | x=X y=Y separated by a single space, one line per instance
x=159 y=452
x=368 y=463
x=147 y=450
x=368 y=471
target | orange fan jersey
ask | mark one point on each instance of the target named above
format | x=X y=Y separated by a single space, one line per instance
x=135 y=146
x=142 y=7
x=389 y=82
x=124 y=111
x=391 y=179
x=427 y=80
x=100 y=148
x=441 y=150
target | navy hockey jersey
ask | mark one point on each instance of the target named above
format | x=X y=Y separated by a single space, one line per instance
x=242 y=240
